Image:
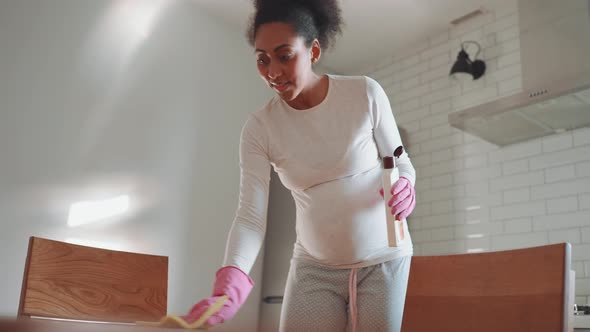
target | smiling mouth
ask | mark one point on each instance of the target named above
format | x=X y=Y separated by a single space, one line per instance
x=280 y=87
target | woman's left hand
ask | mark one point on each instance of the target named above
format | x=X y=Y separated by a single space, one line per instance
x=403 y=200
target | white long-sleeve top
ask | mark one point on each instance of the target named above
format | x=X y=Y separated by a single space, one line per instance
x=329 y=157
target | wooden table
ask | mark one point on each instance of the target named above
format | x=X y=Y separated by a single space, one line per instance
x=44 y=325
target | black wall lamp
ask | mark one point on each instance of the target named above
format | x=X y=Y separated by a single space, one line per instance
x=464 y=65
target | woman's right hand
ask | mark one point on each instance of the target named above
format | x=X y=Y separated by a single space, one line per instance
x=230 y=281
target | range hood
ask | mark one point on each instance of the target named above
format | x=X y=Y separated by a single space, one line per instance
x=555 y=61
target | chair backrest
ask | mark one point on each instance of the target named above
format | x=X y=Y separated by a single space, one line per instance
x=510 y=291
x=69 y=281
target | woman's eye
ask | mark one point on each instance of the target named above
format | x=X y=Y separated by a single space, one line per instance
x=285 y=57
x=261 y=61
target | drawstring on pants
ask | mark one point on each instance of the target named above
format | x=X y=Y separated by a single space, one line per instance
x=352 y=298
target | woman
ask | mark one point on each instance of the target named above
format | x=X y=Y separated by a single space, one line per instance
x=324 y=136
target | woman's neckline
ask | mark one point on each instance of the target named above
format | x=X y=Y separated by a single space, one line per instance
x=313 y=108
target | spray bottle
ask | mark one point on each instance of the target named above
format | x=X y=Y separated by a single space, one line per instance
x=395 y=228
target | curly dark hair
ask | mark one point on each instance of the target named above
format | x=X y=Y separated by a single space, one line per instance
x=311 y=19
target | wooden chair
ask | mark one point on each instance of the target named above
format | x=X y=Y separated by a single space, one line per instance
x=510 y=291
x=68 y=281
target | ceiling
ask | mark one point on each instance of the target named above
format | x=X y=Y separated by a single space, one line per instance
x=374 y=29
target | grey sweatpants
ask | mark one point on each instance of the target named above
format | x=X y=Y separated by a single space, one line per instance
x=317 y=298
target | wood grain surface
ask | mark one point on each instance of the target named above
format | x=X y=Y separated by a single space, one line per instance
x=511 y=291
x=42 y=325
x=76 y=282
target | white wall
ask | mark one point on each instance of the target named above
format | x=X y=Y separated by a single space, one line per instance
x=473 y=196
x=89 y=108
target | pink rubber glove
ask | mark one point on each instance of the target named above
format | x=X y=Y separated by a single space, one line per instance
x=230 y=281
x=403 y=201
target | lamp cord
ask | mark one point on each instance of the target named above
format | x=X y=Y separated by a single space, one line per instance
x=476 y=44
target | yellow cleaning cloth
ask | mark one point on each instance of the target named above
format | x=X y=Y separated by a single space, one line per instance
x=174 y=321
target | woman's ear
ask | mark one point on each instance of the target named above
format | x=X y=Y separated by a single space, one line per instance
x=316 y=51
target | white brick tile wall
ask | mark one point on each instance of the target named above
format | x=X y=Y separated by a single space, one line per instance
x=475 y=216
x=439 y=39
x=583 y=169
x=583 y=285
x=440 y=83
x=509 y=59
x=478 y=245
x=528 y=209
x=581 y=252
x=434 y=120
x=516 y=166
x=442 y=207
x=520 y=225
x=474 y=196
x=582 y=136
x=413 y=93
x=473 y=147
x=470 y=203
x=420 y=236
x=566 y=235
x=421 y=160
x=443 y=193
x=441 y=130
x=516 y=151
x=442 y=234
x=410 y=83
x=443 y=248
x=578 y=267
x=480 y=188
x=441 y=143
x=560 y=173
x=515 y=241
x=502 y=24
x=410 y=126
x=501 y=48
x=442 y=155
x=561 y=188
x=440 y=168
x=405 y=106
x=484 y=229
x=418 y=137
x=434 y=73
x=447 y=219
x=423 y=209
x=562 y=204
x=435 y=96
x=517 y=181
x=561 y=221
x=410 y=61
x=517 y=195
x=414 y=115
x=476 y=174
x=443 y=59
x=442 y=181
x=443 y=106
x=507 y=34
x=510 y=86
x=558 y=158
x=476 y=161
x=558 y=142
x=471 y=25
x=474 y=97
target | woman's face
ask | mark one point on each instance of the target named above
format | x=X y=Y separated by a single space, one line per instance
x=283 y=60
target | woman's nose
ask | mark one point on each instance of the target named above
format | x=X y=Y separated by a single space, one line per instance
x=274 y=71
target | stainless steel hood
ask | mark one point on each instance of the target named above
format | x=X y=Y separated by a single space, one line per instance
x=555 y=60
